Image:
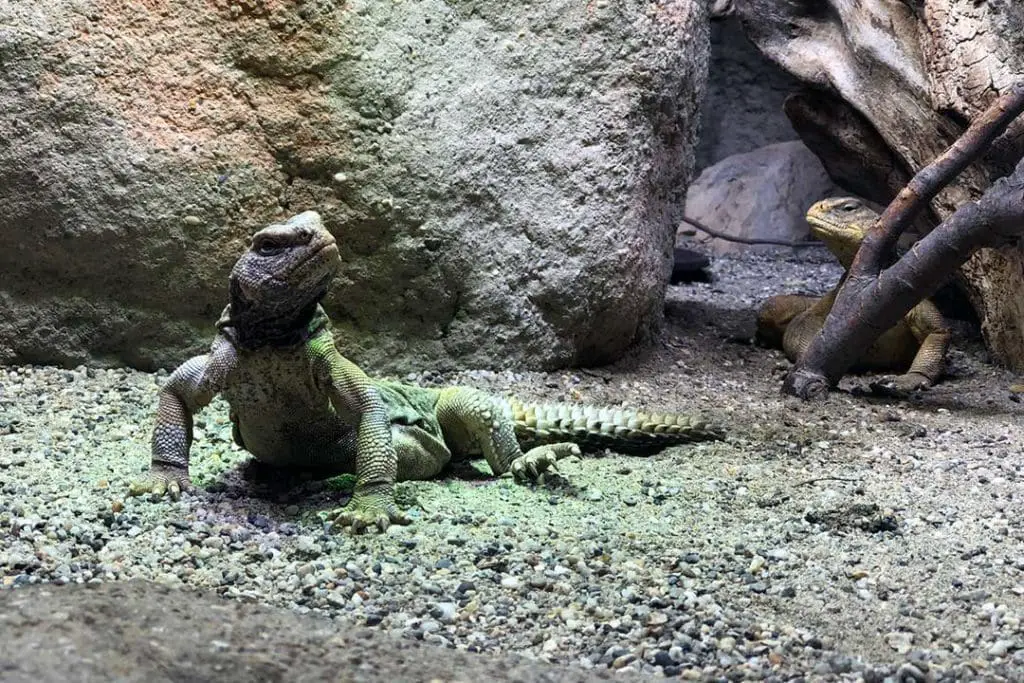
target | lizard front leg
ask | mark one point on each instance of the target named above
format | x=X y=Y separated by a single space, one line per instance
x=929 y=329
x=189 y=388
x=775 y=315
x=804 y=326
x=357 y=401
x=473 y=421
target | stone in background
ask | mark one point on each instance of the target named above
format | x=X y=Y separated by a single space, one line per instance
x=762 y=194
x=504 y=179
x=757 y=179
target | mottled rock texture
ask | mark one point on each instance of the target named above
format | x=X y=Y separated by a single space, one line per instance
x=504 y=179
x=743 y=109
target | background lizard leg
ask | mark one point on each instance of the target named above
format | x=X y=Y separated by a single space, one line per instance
x=929 y=328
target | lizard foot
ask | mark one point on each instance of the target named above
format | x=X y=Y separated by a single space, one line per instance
x=367 y=510
x=900 y=385
x=536 y=461
x=163 y=479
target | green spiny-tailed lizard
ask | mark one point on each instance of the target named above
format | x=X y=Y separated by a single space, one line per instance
x=296 y=401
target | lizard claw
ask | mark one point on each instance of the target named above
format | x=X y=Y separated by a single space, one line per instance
x=530 y=465
x=367 y=511
x=900 y=385
x=162 y=480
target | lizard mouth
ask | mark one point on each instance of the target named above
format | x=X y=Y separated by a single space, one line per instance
x=321 y=258
x=819 y=225
x=331 y=247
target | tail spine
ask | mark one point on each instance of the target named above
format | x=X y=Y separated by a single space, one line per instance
x=594 y=427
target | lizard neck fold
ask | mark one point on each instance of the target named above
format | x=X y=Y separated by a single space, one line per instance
x=250 y=330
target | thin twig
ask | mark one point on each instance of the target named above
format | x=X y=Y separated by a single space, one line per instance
x=749 y=240
x=817 y=479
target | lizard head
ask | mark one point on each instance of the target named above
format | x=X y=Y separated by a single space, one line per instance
x=284 y=274
x=841 y=223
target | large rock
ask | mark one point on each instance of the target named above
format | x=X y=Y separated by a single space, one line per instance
x=759 y=195
x=504 y=178
x=743 y=109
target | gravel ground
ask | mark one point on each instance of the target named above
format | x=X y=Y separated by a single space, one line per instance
x=153 y=633
x=856 y=538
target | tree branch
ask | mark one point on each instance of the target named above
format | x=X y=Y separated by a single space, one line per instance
x=871 y=301
x=930 y=180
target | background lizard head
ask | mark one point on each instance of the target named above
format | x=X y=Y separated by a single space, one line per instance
x=286 y=269
x=841 y=223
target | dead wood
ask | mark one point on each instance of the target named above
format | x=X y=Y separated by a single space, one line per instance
x=871 y=299
x=917 y=73
x=853 y=152
x=722 y=235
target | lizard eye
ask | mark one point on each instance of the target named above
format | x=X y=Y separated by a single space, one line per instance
x=849 y=206
x=268 y=247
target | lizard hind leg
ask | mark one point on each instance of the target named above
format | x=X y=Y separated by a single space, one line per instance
x=531 y=464
x=475 y=422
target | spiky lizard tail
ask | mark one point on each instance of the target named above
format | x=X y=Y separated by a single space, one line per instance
x=593 y=428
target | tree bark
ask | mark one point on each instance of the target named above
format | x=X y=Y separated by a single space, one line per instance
x=854 y=154
x=916 y=73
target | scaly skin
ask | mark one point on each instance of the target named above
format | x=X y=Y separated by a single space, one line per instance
x=916 y=345
x=296 y=401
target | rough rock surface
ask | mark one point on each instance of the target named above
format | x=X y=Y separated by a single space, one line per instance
x=504 y=180
x=152 y=632
x=762 y=194
x=743 y=109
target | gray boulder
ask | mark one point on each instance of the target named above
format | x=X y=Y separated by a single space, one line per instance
x=504 y=179
x=762 y=194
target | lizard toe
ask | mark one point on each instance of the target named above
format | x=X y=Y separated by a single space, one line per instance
x=530 y=465
x=901 y=385
x=163 y=480
x=365 y=512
